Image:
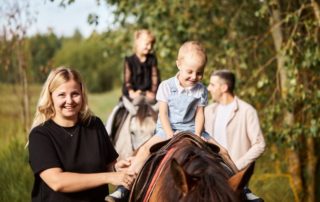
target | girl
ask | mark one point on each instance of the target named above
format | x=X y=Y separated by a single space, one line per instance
x=141 y=78
x=141 y=74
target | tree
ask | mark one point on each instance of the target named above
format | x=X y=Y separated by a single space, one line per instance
x=98 y=58
x=42 y=49
x=273 y=46
x=14 y=57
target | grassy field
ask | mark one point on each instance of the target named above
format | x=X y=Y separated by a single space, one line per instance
x=16 y=177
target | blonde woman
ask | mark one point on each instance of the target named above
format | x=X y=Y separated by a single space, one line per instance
x=69 y=150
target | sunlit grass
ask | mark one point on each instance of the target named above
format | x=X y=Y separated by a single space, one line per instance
x=16 y=177
x=102 y=104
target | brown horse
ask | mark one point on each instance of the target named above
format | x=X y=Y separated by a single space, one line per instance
x=188 y=169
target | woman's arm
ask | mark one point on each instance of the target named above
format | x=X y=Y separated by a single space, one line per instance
x=199 y=120
x=164 y=118
x=61 y=181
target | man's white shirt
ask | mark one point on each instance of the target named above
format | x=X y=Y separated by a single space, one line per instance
x=221 y=121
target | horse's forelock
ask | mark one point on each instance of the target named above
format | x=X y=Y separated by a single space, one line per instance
x=145 y=110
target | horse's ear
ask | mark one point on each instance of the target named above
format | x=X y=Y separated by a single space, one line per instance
x=155 y=107
x=180 y=177
x=240 y=179
x=129 y=106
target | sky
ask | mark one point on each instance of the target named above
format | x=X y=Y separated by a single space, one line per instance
x=64 y=21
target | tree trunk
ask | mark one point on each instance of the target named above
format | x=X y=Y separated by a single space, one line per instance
x=310 y=170
x=24 y=86
x=294 y=164
x=316 y=10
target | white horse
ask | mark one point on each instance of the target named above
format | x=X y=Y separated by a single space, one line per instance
x=135 y=129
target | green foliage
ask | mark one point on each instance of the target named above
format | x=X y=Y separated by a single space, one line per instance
x=37 y=52
x=99 y=64
x=174 y=23
x=42 y=49
x=240 y=35
x=236 y=35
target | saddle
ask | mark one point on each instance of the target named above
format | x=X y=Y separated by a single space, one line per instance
x=160 y=153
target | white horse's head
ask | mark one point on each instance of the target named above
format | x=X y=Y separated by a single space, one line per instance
x=138 y=127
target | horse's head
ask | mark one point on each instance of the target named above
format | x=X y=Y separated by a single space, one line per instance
x=188 y=172
x=143 y=118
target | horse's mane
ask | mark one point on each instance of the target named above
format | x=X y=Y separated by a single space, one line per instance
x=209 y=181
x=145 y=110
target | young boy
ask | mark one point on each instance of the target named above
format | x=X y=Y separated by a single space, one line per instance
x=181 y=99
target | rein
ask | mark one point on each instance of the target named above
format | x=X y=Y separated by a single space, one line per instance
x=158 y=173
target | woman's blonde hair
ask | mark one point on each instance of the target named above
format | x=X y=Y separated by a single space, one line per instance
x=138 y=33
x=45 y=109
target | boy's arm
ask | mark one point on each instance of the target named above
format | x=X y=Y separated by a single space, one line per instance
x=199 y=120
x=164 y=119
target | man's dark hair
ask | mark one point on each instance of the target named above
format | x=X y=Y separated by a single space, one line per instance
x=228 y=76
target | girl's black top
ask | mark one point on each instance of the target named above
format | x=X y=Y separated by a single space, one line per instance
x=142 y=76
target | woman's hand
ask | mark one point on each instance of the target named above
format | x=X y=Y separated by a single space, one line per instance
x=122 y=165
x=125 y=179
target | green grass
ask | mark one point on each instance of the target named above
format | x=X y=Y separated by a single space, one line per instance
x=269 y=184
x=16 y=177
x=103 y=103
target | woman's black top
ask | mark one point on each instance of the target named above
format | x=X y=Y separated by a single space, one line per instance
x=142 y=76
x=83 y=148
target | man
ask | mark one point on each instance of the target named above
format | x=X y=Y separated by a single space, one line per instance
x=233 y=122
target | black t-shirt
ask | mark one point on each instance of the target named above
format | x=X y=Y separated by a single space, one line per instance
x=84 y=148
x=141 y=75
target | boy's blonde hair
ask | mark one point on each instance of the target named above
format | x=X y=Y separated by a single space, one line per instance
x=45 y=109
x=191 y=49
